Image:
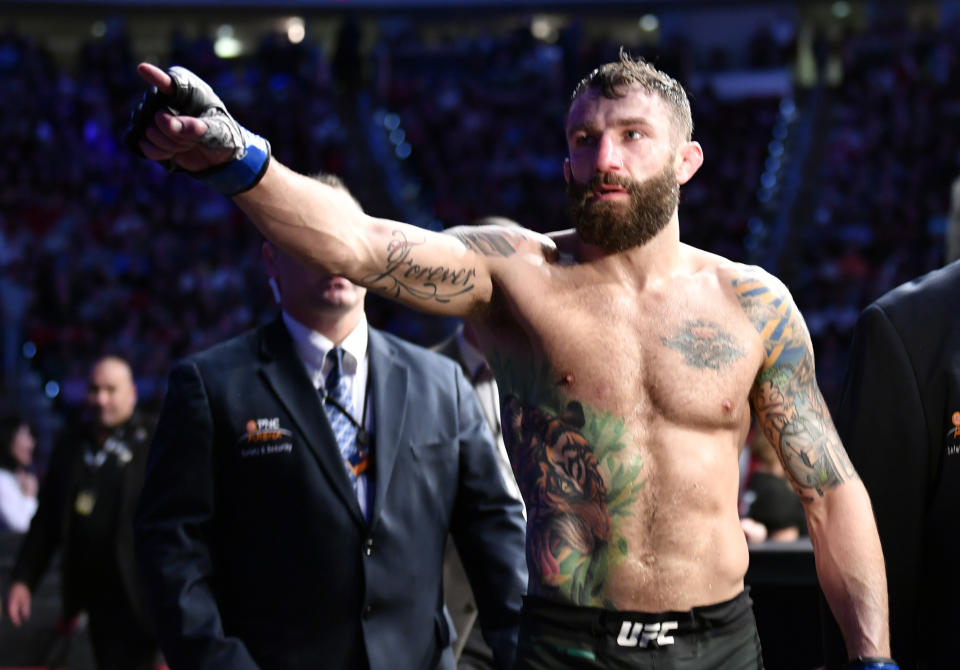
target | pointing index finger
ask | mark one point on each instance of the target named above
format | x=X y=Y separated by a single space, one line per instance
x=155 y=77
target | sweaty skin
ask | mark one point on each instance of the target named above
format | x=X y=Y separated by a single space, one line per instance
x=627 y=377
x=624 y=410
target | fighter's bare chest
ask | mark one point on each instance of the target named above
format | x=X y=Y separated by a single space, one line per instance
x=691 y=361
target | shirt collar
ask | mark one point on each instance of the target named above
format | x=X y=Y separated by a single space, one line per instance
x=472 y=357
x=313 y=346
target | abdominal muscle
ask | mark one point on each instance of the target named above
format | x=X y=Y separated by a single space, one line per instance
x=685 y=546
x=625 y=525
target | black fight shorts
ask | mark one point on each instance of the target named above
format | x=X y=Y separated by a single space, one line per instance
x=554 y=636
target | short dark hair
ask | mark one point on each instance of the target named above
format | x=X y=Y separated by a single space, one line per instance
x=614 y=80
x=9 y=425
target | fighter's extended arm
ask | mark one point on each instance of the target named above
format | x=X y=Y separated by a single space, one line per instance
x=323 y=228
x=793 y=415
x=184 y=123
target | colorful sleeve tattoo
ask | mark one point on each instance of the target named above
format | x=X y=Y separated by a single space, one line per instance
x=785 y=396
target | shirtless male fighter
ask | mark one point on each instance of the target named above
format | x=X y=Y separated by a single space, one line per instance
x=627 y=375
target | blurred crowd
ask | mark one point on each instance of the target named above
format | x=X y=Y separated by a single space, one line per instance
x=890 y=150
x=107 y=245
x=483 y=115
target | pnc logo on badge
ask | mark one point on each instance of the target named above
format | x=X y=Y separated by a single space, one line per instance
x=952 y=447
x=263 y=430
x=636 y=634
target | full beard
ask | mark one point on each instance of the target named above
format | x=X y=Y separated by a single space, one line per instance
x=617 y=226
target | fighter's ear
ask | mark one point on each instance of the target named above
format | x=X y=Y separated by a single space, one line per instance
x=689 y=160
x=269 y=254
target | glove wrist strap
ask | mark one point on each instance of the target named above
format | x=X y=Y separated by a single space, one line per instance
x=242 y=173
x=872 y=663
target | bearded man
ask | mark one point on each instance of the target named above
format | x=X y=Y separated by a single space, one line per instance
x=629 y=375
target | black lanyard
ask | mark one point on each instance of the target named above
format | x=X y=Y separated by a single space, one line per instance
x=364 y=439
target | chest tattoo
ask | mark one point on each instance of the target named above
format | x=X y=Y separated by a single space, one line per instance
x=704 y=344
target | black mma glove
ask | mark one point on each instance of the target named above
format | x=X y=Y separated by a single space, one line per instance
x=872 y=663
x=192 y=96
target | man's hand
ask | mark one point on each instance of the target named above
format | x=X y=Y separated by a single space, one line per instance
x=754 y=531
x=18 y=603
x=182 y=121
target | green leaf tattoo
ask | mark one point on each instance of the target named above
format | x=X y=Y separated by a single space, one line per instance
x=577 y=485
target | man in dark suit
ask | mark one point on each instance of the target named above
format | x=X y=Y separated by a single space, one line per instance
x=289 y=523
x=86 y=506
x=900 y=419
x=469 y=649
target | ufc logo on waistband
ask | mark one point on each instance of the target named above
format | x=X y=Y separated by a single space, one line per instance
x=641 y=635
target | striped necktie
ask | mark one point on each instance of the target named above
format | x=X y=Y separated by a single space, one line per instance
x=340 y=412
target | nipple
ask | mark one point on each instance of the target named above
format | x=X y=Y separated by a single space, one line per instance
x=565 y=380
x=727 y=405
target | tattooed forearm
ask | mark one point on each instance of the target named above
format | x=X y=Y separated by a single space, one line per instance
x=704 y=344
x=486 y=243
x=402 y=276
x=785 y=397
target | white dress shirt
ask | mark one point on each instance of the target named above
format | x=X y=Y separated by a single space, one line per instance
x=313 y=348
x=16 y=509
x=489 y=396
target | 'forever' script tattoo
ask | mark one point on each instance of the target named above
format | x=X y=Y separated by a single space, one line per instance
x=403 y=276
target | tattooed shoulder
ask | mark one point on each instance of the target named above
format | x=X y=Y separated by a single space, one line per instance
x=486 y=242
x=785 y=397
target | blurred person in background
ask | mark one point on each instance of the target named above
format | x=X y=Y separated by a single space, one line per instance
x=86 y=505
x=953 y=223
x=771 y=509
x=301 y=487
x=18 y=483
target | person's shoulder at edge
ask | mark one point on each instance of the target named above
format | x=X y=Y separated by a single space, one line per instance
x=942 y=280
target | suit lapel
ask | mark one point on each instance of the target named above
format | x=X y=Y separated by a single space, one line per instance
x=284 y=373
x=388 y=382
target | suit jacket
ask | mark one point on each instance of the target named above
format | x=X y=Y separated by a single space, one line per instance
x=469 y=649
x=899 y=419
x=55 y=525
x=450 y=347
x=253 y=547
